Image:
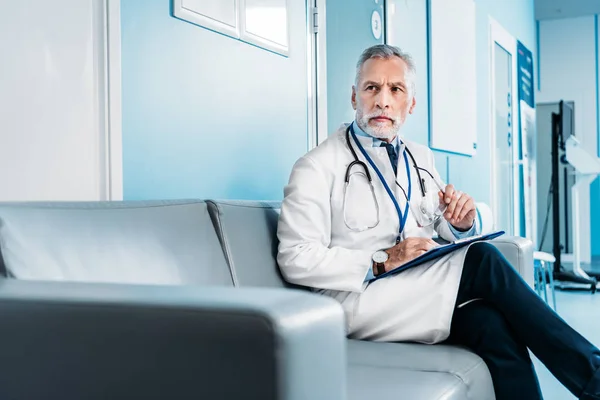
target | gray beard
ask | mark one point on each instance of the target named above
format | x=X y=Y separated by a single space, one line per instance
x=388 y=134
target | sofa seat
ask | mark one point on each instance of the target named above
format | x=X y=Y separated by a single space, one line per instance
x=394 y=371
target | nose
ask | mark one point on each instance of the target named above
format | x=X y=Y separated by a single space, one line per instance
x=382 y=100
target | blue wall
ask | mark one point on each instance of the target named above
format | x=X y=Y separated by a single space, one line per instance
x=348 y=35
x=196 y=124
x=205 y=115
x=409 y=31
x=517 y=17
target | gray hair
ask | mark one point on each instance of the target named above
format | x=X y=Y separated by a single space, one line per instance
x=386 y=51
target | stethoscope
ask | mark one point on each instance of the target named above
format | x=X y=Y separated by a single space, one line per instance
x=401 y=216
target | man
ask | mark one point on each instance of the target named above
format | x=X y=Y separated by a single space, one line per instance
x=367 y=201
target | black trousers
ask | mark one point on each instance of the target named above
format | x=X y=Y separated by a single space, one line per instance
x=511 y=318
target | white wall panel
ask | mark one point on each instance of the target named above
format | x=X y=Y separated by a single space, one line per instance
x=407 y=29
x=452 y=76
x=51 y=147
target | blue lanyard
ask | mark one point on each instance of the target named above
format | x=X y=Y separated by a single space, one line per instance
x=401 y=217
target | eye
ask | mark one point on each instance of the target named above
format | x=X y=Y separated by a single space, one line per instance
x=371 y=87
x=397 y=89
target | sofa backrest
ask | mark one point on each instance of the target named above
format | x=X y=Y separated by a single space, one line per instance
x=248 y=234
x=141 y=242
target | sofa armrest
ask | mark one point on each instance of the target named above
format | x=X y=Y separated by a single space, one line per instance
x=519 y=252
x=99 y=341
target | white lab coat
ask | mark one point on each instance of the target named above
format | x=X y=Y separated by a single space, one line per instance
x=317 y=249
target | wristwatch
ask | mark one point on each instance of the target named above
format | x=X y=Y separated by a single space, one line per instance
x=379 y=257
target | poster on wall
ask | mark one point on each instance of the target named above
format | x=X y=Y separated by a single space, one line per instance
x=527 y=175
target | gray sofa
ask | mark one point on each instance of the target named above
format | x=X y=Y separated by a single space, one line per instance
x=184 y=300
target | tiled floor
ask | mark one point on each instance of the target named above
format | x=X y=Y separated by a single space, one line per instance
x=582 y=311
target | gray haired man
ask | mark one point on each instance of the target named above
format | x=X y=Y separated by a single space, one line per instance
x=337 y=238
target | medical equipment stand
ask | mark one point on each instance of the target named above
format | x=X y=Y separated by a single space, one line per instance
x=587 y=168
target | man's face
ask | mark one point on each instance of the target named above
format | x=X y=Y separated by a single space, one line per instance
x=383 y=97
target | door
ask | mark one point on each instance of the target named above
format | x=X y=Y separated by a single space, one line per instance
x=504 y=140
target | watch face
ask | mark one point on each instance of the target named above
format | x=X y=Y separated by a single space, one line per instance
x=380 y=256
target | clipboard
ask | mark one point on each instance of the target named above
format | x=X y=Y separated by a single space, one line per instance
x=440 y=251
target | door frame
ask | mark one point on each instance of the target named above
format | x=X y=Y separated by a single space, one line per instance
x=108 y=33
x=499 y=35
x=317 y=72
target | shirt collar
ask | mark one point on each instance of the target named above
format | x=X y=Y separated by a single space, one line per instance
x=376 y=142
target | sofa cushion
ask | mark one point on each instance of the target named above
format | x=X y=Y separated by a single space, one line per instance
x=154 y=242
x=248 y=234
x=386 y=371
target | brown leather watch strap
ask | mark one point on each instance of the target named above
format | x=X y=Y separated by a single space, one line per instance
x=379 y=268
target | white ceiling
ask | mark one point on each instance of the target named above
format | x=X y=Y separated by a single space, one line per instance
x=551 y=9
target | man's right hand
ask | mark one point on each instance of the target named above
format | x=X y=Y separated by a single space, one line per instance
x=407 y=250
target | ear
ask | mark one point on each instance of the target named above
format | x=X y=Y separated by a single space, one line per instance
x=412 y=105
x=353 y=99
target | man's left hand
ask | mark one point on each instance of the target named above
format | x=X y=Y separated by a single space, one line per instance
x=461 y=210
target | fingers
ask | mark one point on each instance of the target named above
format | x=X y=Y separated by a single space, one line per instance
x=430 y=244
x=460 y=203
x=441 y=199
x=467 y=208
x=415 y=241
x=417 y=252
x=449 y=192
x=452 y=205
x=413 y=247
x=424 y=244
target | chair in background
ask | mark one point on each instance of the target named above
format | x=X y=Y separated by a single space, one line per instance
x=542 y=270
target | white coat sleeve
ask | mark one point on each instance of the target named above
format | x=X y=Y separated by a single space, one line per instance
x=304 y=232
x=442 y=227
